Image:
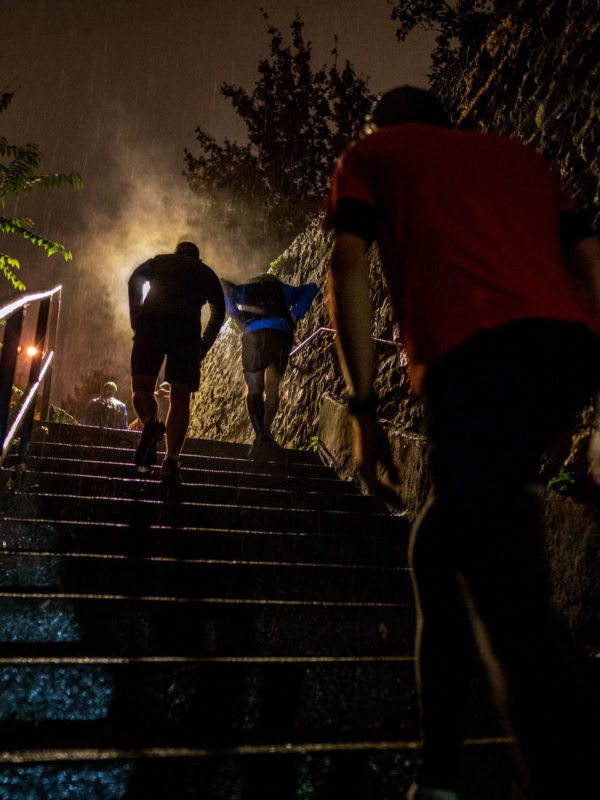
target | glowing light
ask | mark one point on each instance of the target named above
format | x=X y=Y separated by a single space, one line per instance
x=31 y=351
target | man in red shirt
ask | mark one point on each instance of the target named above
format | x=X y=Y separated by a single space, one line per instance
x=474 y=233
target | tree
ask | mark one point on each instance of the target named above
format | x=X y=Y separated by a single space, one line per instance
x=456 y=23
x=17 y=177
x=298 y=122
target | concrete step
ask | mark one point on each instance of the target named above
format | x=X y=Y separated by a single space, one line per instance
x=377 y=770
x=110 y=437
x=207 y=462
x=202 y=578
x=212 y=702
x=135 y=486
x=43 y=624
x=365 y=548
x=231 y=477
x=142 y=511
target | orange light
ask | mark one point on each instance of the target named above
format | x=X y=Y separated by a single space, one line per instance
x=31 y=351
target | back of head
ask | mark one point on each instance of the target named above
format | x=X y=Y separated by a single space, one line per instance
x=109 y=389
x=264 y=277
x=187 y=249
x=409 y=104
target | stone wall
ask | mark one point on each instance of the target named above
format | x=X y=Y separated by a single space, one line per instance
x=536 y=77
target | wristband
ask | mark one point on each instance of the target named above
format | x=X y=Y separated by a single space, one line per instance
x=366 y=405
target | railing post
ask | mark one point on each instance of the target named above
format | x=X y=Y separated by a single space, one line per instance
x=53 y=328
x=34 y=373
x=8 y=363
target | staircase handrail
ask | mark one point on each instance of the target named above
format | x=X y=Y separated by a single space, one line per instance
x=324 y=329
x=40 y=371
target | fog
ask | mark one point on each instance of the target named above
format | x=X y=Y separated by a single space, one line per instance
x=114 y=91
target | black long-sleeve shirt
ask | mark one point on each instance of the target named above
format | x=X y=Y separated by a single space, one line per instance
x=179 y=287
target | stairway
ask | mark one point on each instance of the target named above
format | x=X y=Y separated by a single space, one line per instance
x=253 y=640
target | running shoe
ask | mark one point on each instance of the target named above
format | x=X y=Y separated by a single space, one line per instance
x=170 y=472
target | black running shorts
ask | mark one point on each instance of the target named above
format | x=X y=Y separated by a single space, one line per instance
x=265 y=347
x=160 y=335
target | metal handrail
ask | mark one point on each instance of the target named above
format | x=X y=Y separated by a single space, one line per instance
x=40 y=370
x=323 y=329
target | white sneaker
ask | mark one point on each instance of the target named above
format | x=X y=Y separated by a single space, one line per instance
x=424 y=793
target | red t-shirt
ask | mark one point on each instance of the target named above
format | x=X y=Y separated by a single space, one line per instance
x=468 y=230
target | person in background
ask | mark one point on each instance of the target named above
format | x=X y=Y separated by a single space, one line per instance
x=266 y=311
x=106 y=411
x=167 y=323
x=495 y=281
x=162 y=395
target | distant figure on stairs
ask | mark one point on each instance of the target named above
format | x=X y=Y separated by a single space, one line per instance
x=266 y=311
x=162 y=395
x=167 y=323
x=493 y=277
x=106 y=411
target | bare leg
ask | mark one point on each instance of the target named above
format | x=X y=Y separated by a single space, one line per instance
x=146 y=408
x=255 y=382
x=178 y=418
x=142 y=390
x=272 y=381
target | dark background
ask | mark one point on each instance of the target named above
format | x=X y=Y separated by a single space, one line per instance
x=114 y=90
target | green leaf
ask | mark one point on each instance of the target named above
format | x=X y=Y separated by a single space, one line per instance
x=18 y=176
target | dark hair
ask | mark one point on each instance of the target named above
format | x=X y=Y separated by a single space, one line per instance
x=188 y=249
x=265 y=277
x=409 y=104
x=109 y=389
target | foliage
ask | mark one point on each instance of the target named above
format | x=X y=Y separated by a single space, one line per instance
x=456 y=24
x=298 y=121
x=313 y=444
x=18 y=176
x=563 y=481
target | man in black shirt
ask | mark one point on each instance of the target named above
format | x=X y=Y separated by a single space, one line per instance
x=167 y=322
x=106 y=411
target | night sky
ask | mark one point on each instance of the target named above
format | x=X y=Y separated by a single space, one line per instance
x=114 y=90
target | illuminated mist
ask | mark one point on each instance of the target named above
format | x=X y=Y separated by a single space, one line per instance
x=152 y=210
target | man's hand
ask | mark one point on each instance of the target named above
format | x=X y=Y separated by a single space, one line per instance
x=372 y=448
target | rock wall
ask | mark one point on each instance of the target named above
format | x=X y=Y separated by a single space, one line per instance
x=536 y=77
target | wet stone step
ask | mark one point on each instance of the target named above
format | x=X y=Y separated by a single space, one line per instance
x=162 y=577
x=219 y=543
x=193 y=461
x=231 y=477
x=143 y=511
x=373 y=770
x=134 y=487
x=110 y=437
x=213 y=702
x=74 y=625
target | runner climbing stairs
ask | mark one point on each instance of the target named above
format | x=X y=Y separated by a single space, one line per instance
x=253 y=640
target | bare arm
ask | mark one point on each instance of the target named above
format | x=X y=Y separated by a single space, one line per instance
x=351 y=313
x=136 y=290
x=216 y=305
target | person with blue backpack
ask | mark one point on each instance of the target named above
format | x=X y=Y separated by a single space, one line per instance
x=266 y=310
